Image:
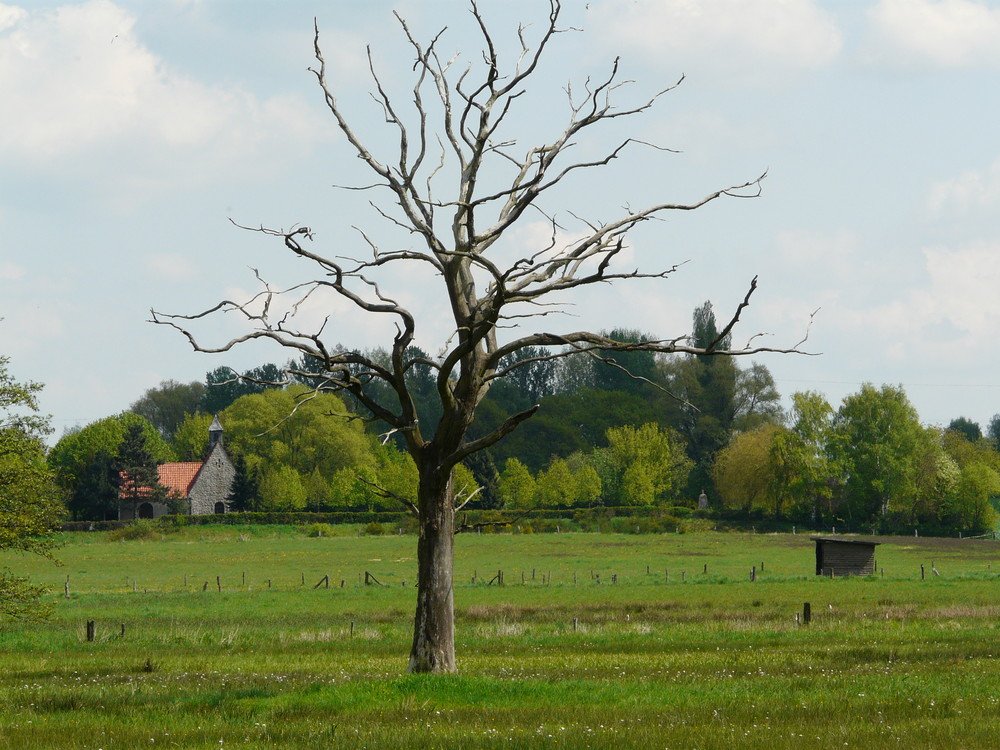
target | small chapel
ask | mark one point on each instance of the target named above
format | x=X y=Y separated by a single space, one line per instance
x=204 y=485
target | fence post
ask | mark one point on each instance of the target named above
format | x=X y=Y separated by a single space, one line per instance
x=806 y=613
x=90 y=630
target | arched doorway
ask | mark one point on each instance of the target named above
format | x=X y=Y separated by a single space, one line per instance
x=145 y=510
x=220 y=508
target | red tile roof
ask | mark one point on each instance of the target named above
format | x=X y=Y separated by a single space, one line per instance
x=176 y=477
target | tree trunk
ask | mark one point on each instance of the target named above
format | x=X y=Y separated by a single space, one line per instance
x=433 y=647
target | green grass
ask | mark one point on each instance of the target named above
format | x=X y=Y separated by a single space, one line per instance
x=713 y=661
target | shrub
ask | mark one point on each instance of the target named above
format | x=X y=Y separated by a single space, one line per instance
x=319 y=529
x=374 y=529
x=143 y=528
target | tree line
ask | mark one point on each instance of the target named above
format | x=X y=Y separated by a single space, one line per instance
x=615 y=429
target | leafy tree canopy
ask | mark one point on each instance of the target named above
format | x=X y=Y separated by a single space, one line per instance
x=29 y=504
x=967 y=428
x=166 y=406
x=82 y=458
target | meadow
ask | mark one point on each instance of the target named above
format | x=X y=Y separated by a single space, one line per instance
x=216 y=636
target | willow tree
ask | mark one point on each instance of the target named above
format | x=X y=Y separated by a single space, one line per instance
x=457 y=181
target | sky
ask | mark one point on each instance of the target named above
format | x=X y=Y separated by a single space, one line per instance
x=135 y=133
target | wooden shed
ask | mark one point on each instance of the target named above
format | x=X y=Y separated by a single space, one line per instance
x=844 y=557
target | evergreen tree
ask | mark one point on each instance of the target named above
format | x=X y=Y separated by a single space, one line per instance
x=484 y=469
x=138 y=478
x=244 y=495
x=95 y=496
x=706 y=385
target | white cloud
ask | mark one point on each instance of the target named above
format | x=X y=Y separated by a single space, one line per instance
x=942 y=33
x=171 y=266
x=956 y=311
x=734 y=37
x=832 y=255
x=82 y=83
x=10 y=271
x=10 y=15
x=970 y=191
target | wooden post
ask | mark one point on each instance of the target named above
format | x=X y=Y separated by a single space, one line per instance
x=90 y=630
x=753 y=573
x=269 y=583
x=683 y=576
x=67 y=589
x=123 y=630
x=574 y=624
x=134 y=587
x=705 y=569
x=761 y=566
x=352 y=628
x=244 y=578
x=303 y=578
x=185 y=580
x=205 y=587
x=666 y=575
x=806 y=613
x=574 y=578
x=921 y=571
x=218 y=583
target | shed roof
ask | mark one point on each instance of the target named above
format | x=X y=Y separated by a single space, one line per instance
x=844 y=541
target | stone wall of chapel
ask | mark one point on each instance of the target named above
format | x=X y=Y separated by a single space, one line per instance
x=213 y=483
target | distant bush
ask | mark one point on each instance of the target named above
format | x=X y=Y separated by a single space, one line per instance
x=143 y=528
x=374 y=529
x=319 y=529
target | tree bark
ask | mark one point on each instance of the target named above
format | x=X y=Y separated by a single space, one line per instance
x=433 y=647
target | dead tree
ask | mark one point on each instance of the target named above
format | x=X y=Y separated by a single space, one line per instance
x=491 y=302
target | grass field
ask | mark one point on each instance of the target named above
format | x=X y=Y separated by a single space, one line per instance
x=611 y=641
